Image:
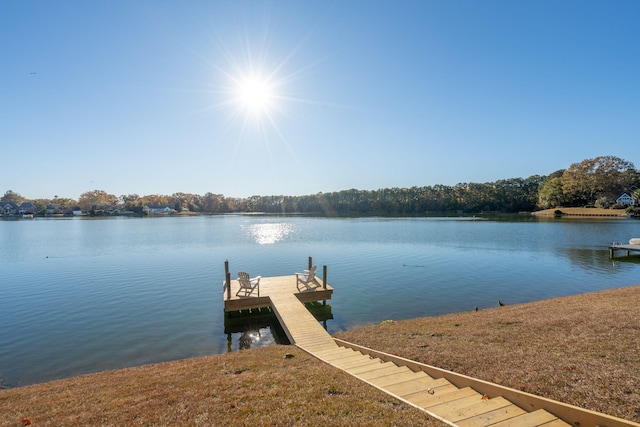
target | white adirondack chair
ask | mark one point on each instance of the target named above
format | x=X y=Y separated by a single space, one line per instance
x=247 y=284
x=307 y=279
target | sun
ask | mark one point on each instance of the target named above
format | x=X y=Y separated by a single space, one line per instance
x=255 y=82
x=255 y=94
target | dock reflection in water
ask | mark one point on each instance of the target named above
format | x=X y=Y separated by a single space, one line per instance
x=260 y=327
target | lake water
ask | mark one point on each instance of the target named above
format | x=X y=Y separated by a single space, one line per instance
x=85 y=295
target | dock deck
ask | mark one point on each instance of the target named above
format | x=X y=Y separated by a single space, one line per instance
x=455 y=399
x=621 y=247
x=270 y=288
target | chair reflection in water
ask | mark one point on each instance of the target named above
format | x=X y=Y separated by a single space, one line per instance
x=248 y=284
x=307 y=279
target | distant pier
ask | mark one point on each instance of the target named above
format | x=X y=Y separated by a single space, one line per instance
x=622 y=247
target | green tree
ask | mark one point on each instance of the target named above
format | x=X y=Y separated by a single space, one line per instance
x=601 y=176
x=155 y=200
x=10 y=196
x=603 y=203
x=213 y=203
x=97 y=201
x=62 y=204
x=131 y=202
x=550 y=192
x=40 y=206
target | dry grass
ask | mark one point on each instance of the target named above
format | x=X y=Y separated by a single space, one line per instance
x=252 y=387
x=583 y=350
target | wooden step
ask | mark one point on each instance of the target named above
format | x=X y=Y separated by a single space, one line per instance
x=557 y=423
x=386 y=368
x=449 y=407
x=311 y=339
x=492 y=417
x=443 y=393
x=315 y=348
x=332 y=350
x=476 y=408
x=322 y=352
x=399 y=377
x=340 y=355
x=413 y=386
x=362 y=361
x=530 y=419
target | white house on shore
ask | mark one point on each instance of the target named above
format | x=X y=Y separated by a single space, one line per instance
x=625 y=199
x=159 y=209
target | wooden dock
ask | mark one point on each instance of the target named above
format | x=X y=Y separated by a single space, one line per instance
x=455 y=399
x=273 y=288
x=622 y=247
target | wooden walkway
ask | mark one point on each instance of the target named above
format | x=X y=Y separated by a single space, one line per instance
x=452 y=398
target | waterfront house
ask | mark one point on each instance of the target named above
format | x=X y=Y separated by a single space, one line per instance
x=55 y=210
x=625 y=199
x=10 y=208
x=159 y=209
x=26 y=208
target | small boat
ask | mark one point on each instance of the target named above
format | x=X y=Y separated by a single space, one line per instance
x=634 y=241
x=27 y=215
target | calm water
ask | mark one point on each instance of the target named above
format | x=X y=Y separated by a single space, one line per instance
x=81 y=295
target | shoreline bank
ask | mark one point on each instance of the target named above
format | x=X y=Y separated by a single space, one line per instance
x=583 y=212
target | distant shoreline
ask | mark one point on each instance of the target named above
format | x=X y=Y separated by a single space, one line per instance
x=553 y=212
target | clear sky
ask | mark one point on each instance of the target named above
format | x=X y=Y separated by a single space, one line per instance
x=298 y=97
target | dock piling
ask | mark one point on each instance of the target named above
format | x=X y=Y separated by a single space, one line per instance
x=227 y=278
x=324 y=277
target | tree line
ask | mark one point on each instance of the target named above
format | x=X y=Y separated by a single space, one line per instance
x=591 y=182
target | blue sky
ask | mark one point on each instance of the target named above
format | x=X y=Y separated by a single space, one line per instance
x=144 y=96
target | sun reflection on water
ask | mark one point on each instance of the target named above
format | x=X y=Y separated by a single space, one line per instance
x=269 y=233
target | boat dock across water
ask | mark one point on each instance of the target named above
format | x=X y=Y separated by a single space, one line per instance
x=633 y=246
